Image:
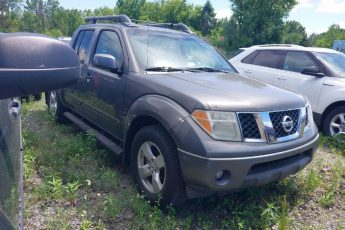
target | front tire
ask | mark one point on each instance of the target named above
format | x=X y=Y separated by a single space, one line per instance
x=155 y=166
x=334 y=122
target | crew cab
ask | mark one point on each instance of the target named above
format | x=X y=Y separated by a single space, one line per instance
x=176 y=111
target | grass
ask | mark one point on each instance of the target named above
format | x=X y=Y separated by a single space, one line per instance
x=71 y=183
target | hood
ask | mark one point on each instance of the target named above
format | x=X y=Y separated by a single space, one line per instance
x=224 y=92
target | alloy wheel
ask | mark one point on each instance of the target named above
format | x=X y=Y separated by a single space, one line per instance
x=151 y=167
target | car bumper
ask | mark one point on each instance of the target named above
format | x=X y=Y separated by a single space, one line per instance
x=199 y=172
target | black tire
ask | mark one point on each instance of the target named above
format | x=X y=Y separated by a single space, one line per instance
x=173 y=190
x=327 y=121
x=55 y=107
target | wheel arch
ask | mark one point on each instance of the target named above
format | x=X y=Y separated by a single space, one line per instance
x=151 y=110
x=330 y=108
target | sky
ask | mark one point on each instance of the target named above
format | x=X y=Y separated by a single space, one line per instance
x=315 y=15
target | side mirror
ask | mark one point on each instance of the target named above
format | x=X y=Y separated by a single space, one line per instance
x=31 y=63
x=313 y=71
x=106 y=61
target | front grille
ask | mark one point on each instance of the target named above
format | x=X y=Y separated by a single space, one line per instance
x=249 y=126
x=277 y=118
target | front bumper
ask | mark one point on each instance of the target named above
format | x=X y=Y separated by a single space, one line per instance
x=199 y=172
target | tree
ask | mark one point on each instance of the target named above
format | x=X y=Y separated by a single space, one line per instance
x=326 y=39
x=10 y=12
x=259 y=22
x=130 y=7
x=208 y=19
x=294 y=33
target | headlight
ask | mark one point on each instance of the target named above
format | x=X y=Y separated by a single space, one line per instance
x=219 y=125
x=309 y=117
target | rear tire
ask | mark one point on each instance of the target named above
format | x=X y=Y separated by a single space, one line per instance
x=334 y=122
x=155 y=166
x=55 y=107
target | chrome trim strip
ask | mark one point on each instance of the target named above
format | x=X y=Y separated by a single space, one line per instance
x=251 y=157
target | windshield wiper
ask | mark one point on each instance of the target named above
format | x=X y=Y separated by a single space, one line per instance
x=206 y=69
x=163 y=69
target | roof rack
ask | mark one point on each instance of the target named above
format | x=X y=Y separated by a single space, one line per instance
x=175 y=26
x=114 y=18
x=122 y=18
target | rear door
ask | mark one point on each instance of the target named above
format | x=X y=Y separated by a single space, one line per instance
x=74 y=95
x=104 y=99
x=291 y=77
x=262 y=65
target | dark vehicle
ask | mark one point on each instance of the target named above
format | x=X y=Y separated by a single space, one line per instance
x=28 y=64
x=177 y=112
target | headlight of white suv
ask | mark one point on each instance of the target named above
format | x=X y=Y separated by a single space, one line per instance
x=219 y=125
x=309 y=120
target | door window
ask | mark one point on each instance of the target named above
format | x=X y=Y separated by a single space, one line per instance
x=109 y=43
x=297 y=61
x=268 y=58
x=84 y=48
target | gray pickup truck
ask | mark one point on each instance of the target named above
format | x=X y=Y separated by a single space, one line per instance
x=178 y=113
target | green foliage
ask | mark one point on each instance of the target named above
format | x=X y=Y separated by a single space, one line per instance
x=294 y=33
x=130 y=7
x=257 y=22
x=326 y=39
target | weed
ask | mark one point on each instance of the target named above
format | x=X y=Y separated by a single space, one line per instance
x=71 y=191
x=111 y=206
x=328 y=198
x=85 y=222
x=283 y=218
x=55 y=187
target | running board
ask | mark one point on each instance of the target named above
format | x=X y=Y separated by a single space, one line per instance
x=103 y=140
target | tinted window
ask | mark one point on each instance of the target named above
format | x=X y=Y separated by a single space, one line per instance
x=249 y=59
x=268 y=58
x=109 y=43
x=85 y=46
x=297 y=61
x=77 y=44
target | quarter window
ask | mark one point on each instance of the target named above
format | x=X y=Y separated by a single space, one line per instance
x=268 y=58
x=297 y=61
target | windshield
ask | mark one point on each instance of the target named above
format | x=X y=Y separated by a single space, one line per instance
x=335 y=61
x=175 y=52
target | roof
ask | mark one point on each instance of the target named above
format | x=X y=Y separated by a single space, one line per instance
x=290 y=47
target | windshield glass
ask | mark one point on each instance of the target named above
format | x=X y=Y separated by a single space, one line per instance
x=175 y=51
x=335 y=61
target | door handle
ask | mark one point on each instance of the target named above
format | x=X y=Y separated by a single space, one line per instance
x=247 y=71
x=282 y=78
x=14 y=108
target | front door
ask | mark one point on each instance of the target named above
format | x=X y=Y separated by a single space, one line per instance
x=291 y=77
x=104 y=101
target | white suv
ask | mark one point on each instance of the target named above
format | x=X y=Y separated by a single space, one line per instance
x=317 y=73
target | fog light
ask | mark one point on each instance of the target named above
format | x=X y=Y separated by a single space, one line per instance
x=219 y=175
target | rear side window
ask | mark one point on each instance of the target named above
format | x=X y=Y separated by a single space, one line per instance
x=268 y=58
x=249 y=59
x=297 y=61
x=84 y=47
